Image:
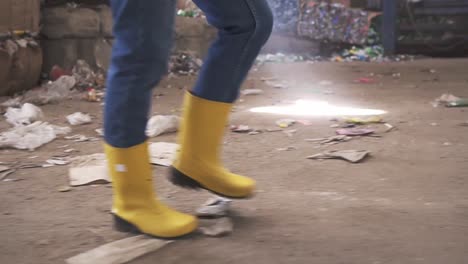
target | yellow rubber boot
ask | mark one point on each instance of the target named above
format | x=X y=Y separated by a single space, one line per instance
x=198 y=162
x=135 y=207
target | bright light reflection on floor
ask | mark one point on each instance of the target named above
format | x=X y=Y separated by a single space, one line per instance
x=316 y=108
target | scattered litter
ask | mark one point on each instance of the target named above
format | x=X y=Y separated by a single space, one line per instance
x=241 y=129
x=277 y=85
x=92 y=95
x=78 y=118
x=284 y=123
x=389 y=127
x=81 y=138
x=447 y=144
x=163 y=153
x=121 y=251
x=31 y=136
x=330 y=140
x=88 y=169
x=85 y=76
x=450 y=100
x=64 y=189
x=274 y=130
x=304 y=122
x=5 y=171
x=57 y=72
x=215 y=207
x=218 y=227
x=364 y=80
x=462 y=102
x=252 y=91
x=290 y=148
x=355 y=131
x=265 y=79
x=184 y=64
x=353 y=156
x=58 y=161
x=4 y=168
x=363 y=121
x=13 y=102
x=69 y=150
x=5 y=174
x=51 y=92
x=325 y=83
x=279 y=58
x=396 y=75
x=255 y=132
x=290 y=132
x=161 y=124
x=100 y=131
x=429 y=70
x=27 y=114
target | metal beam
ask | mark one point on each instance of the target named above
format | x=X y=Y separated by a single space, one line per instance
x=389 y=26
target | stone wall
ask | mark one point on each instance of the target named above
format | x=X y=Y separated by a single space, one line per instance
x=20 y=53
x=76 y=33
x=85 y=33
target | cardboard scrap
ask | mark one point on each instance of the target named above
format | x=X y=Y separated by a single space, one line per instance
x=353 y=156
x=88 y=169
x=120 y=251
x=162 y=153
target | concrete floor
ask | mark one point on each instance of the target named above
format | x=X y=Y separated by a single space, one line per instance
x=408 y=203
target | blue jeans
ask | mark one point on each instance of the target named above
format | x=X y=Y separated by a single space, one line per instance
x=143 y=31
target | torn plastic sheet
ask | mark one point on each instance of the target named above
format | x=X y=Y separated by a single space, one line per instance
x=78 y=118
x=161 y=124
x=31 y=136
x=214 y=207
x=25 y=115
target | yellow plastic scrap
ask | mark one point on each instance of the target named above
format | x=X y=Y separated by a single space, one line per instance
x=364 y=121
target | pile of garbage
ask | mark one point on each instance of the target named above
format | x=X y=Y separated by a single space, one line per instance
x=184 y=63
x=187 y=8
x=81 y=82
x=373 y=53
x=282 y=57
x=286 y=14
x=334 y=22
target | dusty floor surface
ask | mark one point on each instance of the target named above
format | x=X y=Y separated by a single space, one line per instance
x=406 y=204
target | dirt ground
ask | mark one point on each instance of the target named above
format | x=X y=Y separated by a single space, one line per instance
x=408 y=203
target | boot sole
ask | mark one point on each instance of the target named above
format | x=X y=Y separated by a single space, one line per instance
x=178 y=178
x=124 y=226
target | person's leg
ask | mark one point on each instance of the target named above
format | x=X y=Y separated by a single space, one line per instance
x=244 y=27
x=143 y=33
